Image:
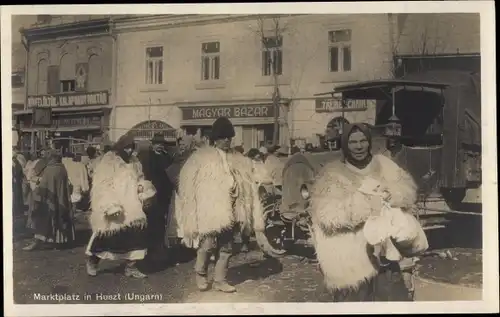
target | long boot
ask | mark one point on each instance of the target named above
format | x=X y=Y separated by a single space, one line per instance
x=131 y=270
x=34 y=245
x=221 y=267
x=201 y=269
x=92 y=262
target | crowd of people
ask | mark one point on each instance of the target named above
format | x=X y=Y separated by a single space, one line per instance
x=49 y=187
x=206 y=194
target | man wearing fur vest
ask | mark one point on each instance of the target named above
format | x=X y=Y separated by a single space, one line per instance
x=362 y=223
x=217 y=193
x=118 y=195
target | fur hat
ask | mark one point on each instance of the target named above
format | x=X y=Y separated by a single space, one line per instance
x=222 y=128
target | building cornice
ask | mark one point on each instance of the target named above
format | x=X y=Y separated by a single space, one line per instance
x=67 y=30
x=152 y=22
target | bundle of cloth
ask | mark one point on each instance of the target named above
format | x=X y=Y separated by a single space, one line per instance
x=78 y=178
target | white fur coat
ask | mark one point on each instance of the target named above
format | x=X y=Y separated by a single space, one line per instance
x=338 y=211
x=115 y=188
x=216 y=191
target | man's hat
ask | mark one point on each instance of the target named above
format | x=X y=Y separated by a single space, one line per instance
x=158 y=138
x=222 y=128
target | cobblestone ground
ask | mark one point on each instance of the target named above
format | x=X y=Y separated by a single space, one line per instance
x=257 y=279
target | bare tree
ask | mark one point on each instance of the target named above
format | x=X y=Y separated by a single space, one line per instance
x=277 y=27
x=427 y=40
x=269 y=38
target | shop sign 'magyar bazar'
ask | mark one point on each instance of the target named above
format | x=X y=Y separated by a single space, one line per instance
x=98 y=98
x=244 y=111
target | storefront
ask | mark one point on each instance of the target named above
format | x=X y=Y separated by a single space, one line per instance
x=76 y=120
x=331 y=114
x=253 y=123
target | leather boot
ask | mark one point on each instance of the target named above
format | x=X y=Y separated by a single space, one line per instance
x=131 y=270
x=221 y=267
x=34 y=245
x=92 y=262
x=201 y=268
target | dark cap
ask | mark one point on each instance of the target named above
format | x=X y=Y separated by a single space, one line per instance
x=222 y=128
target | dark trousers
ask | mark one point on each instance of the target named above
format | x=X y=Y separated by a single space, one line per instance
x=157 y=225
x=217 y=244
x=387 y=286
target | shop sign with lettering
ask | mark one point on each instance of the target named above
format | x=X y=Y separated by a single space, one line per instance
x=73 y=121
x=98 y=98
x=335 y=105
x=249 y=111
x=76 y=121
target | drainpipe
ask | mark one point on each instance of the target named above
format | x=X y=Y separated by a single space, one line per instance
x=114 y=80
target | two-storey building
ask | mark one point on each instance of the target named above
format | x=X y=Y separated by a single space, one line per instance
x=69 y=81
x=105 y=76
x=182 y=71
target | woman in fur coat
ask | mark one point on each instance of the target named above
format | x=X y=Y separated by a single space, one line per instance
x=217 y=193
x=118 y=222
x=361 y=222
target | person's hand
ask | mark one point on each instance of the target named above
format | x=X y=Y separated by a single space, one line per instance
x=113 y=212
x=147 y=203
x=386 y=195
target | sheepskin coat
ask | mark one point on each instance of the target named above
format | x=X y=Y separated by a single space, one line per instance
x=216 y=190
x=115 y=187
x=338 y=212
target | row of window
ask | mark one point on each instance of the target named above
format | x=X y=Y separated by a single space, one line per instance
x=66 y=78
x=339 y=57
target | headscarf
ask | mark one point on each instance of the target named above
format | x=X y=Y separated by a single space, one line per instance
x=347 y=131
x=123 y=143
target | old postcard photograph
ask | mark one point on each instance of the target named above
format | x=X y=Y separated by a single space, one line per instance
x=273 y=158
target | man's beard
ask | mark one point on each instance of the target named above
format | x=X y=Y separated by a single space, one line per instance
x=159 y=151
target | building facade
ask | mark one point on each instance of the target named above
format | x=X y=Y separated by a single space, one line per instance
x=69 y=80
x=184 y=71
x=102 y=77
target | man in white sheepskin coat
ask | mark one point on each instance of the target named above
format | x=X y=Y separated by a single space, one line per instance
x=118 y=222
x=217 y=193
x=360 y=222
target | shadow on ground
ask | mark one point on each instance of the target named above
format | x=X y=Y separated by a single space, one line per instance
x=257 y=270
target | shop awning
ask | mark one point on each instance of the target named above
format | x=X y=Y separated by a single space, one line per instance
x=64 y=129
x=70 y=109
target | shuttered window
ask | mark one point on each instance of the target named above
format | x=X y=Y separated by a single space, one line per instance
x=53 y=85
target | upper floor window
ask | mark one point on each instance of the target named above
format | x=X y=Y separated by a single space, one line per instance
x=17 y=79
x=272 y=55
x=42 y=77
x=339 y=50
x=210 y=61
x=68 y=86
x=154 y=65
